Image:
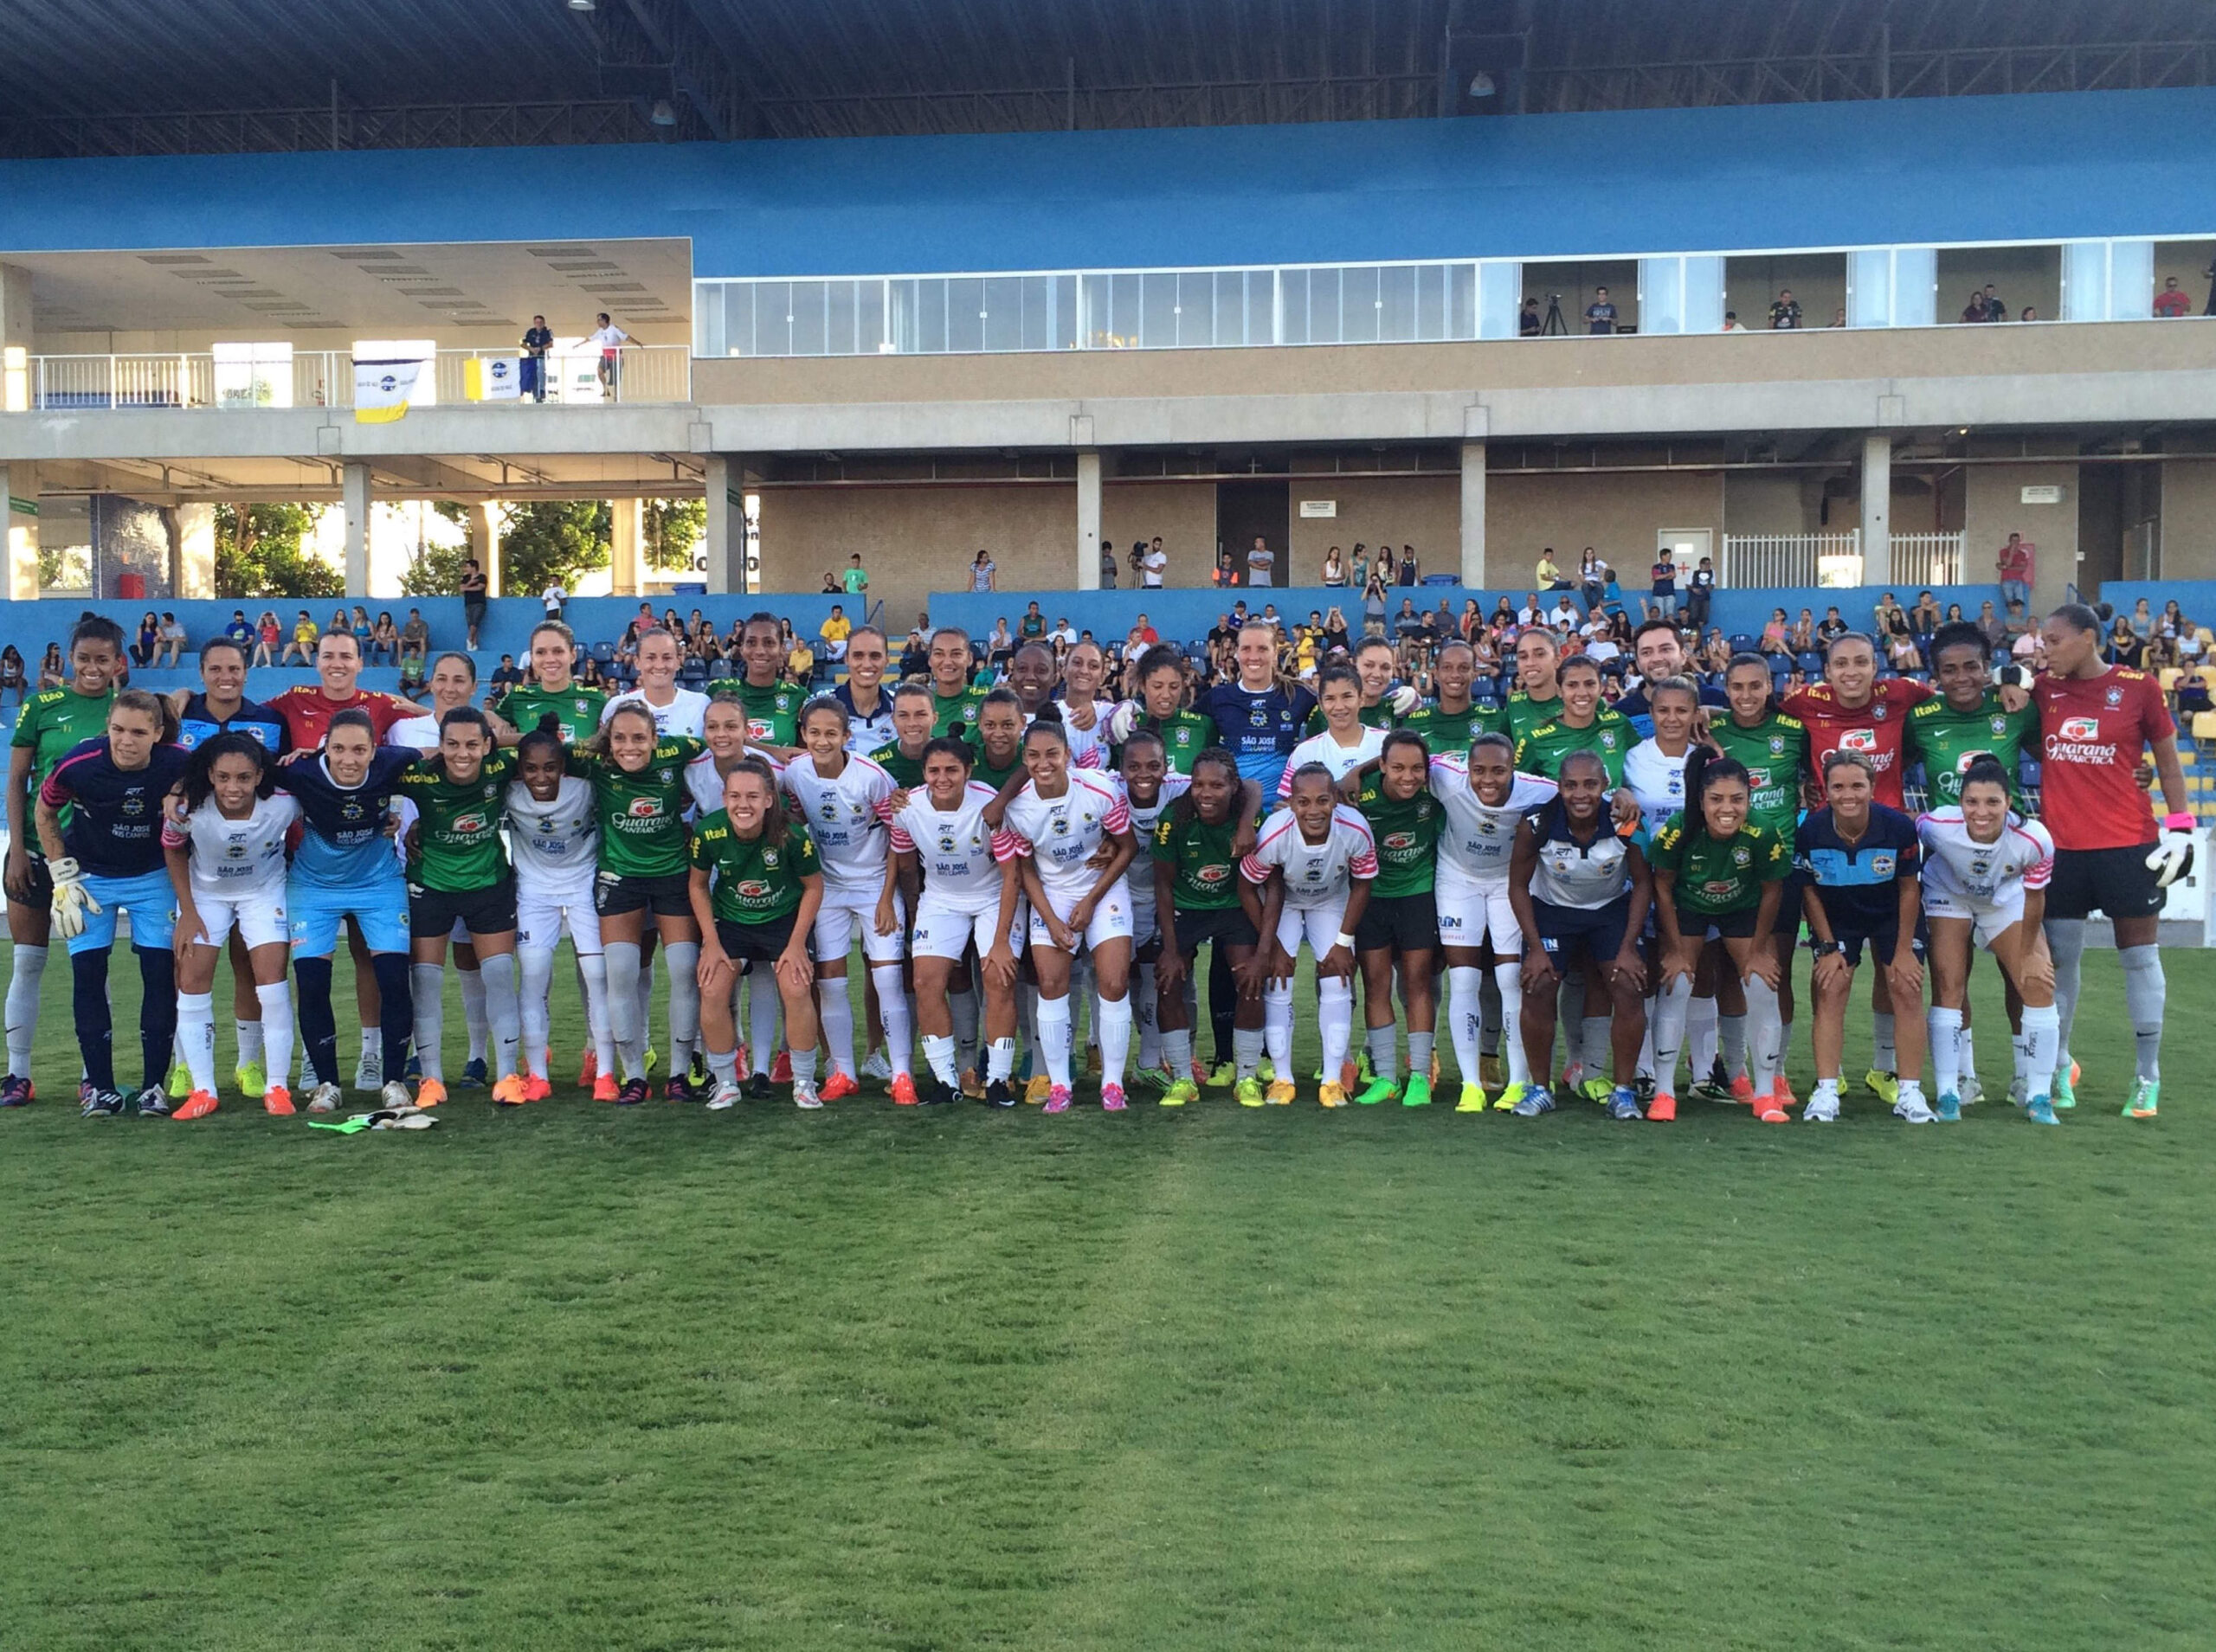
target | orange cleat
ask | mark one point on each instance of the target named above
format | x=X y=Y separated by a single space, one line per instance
x=904 y=1091
x=604 y=1088
x=509 y=1092
x=588 y=1069
x=429 y=1092
x=1781 y=1092
x=780 y=1070
x=1743 y=1090
x=535 y=1089
x=1663 y=1107
x=277 y=1101
x=1768 y=1111
x=198 y=1105
x=837 y=1087
x=1350 y=1076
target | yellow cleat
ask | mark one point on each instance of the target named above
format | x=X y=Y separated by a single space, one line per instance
x=1473 y=1098
x=1039 y=1088
x=1279 y=1094
x=1332 y=1095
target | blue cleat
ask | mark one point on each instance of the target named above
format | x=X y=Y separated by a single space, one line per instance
x=1534 y=1102
x=1624 y=1104
x=1950 y=1108
x=2040 y=1110
x=473 y=1076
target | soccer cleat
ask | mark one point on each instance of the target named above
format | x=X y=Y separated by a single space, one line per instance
x=1911 y=1109
x=1769 y=1110
x=1885 y=1086
x=1279 y=1093
x=1112 y=1098
x=1039 y=1087
x=180 y=1085
x=1492 y=1072
x=1248 y=1092
x=1573 y=1078
x=2062 y=1094
x=758 y=1088
x=277 y=1101
x=1267 y=1071
x=1533 y=1102
x=368 y=1072
x=1418 y=1093
x=1949 y=1110
x=650 y=1059
x=878 y=1067
x=198 y=1104
x=324 y=1098
x=1623 y=1104
x=999 y=1092
x=904 y=1091
x=1221 y=1076
x=1663 y=1109
x=2019 y=1092
x=697 y=1070
x=805 y=1096
x=252 y=1079
x=537 y=1089
x=588 y=1069
x=2040 y=1110
x=604 y=1087
x=1093 y=1063
x=728 y=1095
x=1743 y=1090
x=1181 y=1092
x=1058 y=1098
x=1780 y=1089
x=395 y=1094
x=509 y=1092
x=1378 y=1089
x=633 y=1093
x=973 y=1085
x=780 y=1070
x=429 y=1092
x=1972 y=1091
x=153 y=1102
x=101 y=1104
x=1510 y=1098
x=1473 y=1098
x=1597 y=1089
x=1154 y=1078
x=2145 y=1094
x=474 y=1074
x=1717 y=1086
x=1823 y=1106
x=678 y=1088
x=1329 y=1094
x=1644 y=1088
x=935 y=1093
x=17 y=1091
x=837 y=1087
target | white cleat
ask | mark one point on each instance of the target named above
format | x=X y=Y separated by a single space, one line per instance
x=1822 y=1108
x=878 y=1067
x=804 y=1095
x=728 y=1095
x=326 y=1098
x=1971 y=1091
x=1912 y=1109
x=368 y=1072
x=393 y=1093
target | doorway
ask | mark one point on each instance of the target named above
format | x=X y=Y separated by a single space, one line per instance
x=1243 y=509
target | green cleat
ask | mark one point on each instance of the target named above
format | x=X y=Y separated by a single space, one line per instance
x=2064 y=1095
x=1221 y=1075
x=252 y=1080
x=1376 y=1090
x=1417 y=1093
x=1249 y=1092
x=2144 y=1094
x=1597 y=1089
x=1885 y=1086
x=181 y=1081
x=1183 y=1091
x=651 y=1060
x=1473 y=1098
x=1506 y=1101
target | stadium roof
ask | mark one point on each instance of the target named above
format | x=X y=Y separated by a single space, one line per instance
x=84 y=77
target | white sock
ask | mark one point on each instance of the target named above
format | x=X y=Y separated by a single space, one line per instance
x=1055 y=1038
x=1762 y=1034
x=1000 y=1059
x=1178 y=1051
x=429 y=983
x=1277 y=1033
x=1882 y=1055
x=1783 y=1046
x=966 y=1011
x=1494 y=1005
x=2146 y=995
x=837 y=1012
x=253 y=1046
x=1113 y=1016
x=1669 y=1028
x=900 y=1024
x=373 y=1043
x=682 y=959
x=1969 y=1052
x=803 y=1065
x=1701 y=1035
x=761 y=1020
x=1646 y=1038
x=473 y=1008
x=1732 y=1036
x=1247 y=1045
x=22 y=1008
x=195 y=1037
x=1595 y=1048
x=620 y=962
x=276 y=1024
x=940 y=1054
x=503 y=1016
x=1145 y=1005
x=723 y=1066
x=592 y=971
x=1466 y=1017
x=1336 y=1014
x=1509 y=977
x=537 y=970
x=1944 y=1028
x=2042 y=1038
x=2023 y=1063
x=645 y=994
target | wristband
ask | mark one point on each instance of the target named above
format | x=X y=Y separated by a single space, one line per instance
x=1346 y=939
x=2180 y=822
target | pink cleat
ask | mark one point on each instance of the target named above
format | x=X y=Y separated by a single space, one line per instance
x=1112 y=1098
x=1058 y=1099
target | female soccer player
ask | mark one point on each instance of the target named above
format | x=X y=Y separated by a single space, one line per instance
x=1715 y=869
x=1086 y=716
x=344 y=869
x=1199 y=898
x=1159 y=683
x=998 y=741
x=227 y=866
x=1578 y=886
x=1316 y=860
x=554 y=834
x=1581 y=723
x=109 y=859
x=1142 y=766
x=1985 y=877
x=943 y=859
x=1346 y=742
x=553 y=691
x=840 y=795
x=49 y=726
x=675 y=711
x=1858 y=861
x=1261 y=715
x=1654 y=769
x=1400 y=922
x=902 y=757
x=754 y=888
x=723 y=728
x=1486 y=799
x=1055 y=823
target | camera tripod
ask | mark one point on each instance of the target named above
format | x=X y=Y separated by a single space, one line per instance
x=1553 y=324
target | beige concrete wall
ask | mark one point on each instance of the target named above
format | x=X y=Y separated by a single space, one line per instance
x=1758 y=502
x=916 y=540
x=1182 y=513
x=1618 y=515
x=1424 y=512
x=1993 y=508
x=2189 y=518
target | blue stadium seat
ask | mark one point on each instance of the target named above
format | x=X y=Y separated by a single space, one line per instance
x=604 y=652
x=692 y=674
x=718 y=670
x=1809 y=661
x=1742 y=643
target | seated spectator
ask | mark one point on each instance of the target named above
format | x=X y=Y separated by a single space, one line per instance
x=1031 y=627
x=415 y=636
x=834 y=631
x=590 y=674
x=1892 y=620
x=1803 y=634
x=303 y=640
x=2016 y=625
x=1485 y=658
x=800 y=662
x=1549 y=577
x=506 y=675
x=384 y=640
x=2126 y=645
x=2173 y=300
x=1992 y=627
x=1142 y=636
x=173 y=637
x=1923 y=619
x=1904 y=654
x=1563 y=616
x=239 y=630
x=1063 y=634
x=1954 y=615
x=1715 y=652
x=412 y=668
x=267 y=637
x=52 y=673
x=149 y=639
x=2195 y=689
x=1829 y=626
x=1592 y=576
x=999 y=644
x=1776 y=639
x=1598 y=641
x=13 y=675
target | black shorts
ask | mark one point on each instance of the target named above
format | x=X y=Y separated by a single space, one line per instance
x=669 y=896
x=39 y=878
x=472 y=610
x=1228 y=928
x=1401 y=922
x=1599 y=929
x=763 y=943
x=481 y=911
x=2118 y=882
x=1883 y=944
x=1732 y=926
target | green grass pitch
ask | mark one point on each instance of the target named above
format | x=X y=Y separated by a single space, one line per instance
x=577 y=1376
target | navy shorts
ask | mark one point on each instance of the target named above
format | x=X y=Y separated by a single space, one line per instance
x=1600 y=929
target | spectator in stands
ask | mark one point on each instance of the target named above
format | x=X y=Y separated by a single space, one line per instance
x=148 y=640
x=267 y=635
x=1700 y=591
x=1975 y=309
x=1108 y=570
x=1563 y=616
x=1528 y=320
x=1335 y=630
x=2173 y=300
x=1775 y=638
x=52 y=673
x=173 y=637
x=2197 y=691
x=506 y=675
x=1381 y=564
x=1904 y=654
x=1601 y=314
x=1031 y=627
x=2014 y=565
x=1411 y=568
x=1142 y=636
x=537 y=339
x=303 y=640
x=1996 y=307
x=1664 y=596
x=834 y=631
x=1611 y=594
x=1889 y=618
x=1991 y=627
x=2142 y=618
x=984 y=572
x=1838 y=317
x=1484 y=656
x=1335 y=568
x=1731 y=322
x=2126 y=645
x=1592 y=577
x=800 y=662
x=1831 y=625
x=473 y=588
x=414 y=637
x=240 y=632
x=1065 y=634
x=1924 y=619
x=1784 y=311
x=1227 y=570
x=12 y=675
x=1533 y=613
x=412 y=668
x=1802 y=638
x=830 y=585
x=361 y=627
x=1261 y=563
x=1153 y=565
x=384 y=640
x=2027 y=313
x=854 y=578
x=1549 y=577
x=1504 y=616
x=1715 y=653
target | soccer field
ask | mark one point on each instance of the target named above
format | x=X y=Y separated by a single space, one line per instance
x=576 y=1376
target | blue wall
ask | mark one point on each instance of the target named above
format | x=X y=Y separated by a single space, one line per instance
x=2035 y=168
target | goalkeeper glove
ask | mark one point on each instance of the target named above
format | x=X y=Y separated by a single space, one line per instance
x=72 y=900
x=2172 y=857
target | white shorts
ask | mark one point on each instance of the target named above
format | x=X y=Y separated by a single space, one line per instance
x=543 y=915
x=1988 y=918
x=260 y=918
x=846 y=910
x=946 y=930
x=1112 y=918
x=1469 y=913
x=1318 y=925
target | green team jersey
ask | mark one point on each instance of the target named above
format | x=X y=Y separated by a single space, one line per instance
x=458 y=826
x=1610 y=736
x=1945 y=738
x=1407 y=834
x=1445 y=731
x=1776 y=754
x=907 y=772
x=1185 y=736
x=754 y=880
x=772 y=713
x=1712 y=877
x=947 y=711
x=1379 y=716
x=1204 y=873
x=1520 y=715
x=576 y=710
x=54 y=720
x=642 y=814
x=985 y=772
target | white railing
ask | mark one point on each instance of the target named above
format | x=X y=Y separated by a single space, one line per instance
x=324 y=378
x=1786 y=559
x=1926 y=559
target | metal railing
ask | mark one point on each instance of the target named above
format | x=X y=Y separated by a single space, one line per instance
x=1802 y=559
x=324 y=378
x=1926 y=559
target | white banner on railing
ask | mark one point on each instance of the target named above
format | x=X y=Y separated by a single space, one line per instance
x=492 y=378
x=382 y=390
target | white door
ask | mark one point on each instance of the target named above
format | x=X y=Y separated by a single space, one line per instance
x=1685 y=546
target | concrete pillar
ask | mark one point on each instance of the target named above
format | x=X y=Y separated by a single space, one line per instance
x=625 y=562
x=355 y=501
x=484 y=543
x=16 y=340
x=1877 y=510
x=726 y=535
x=1088 y=520
x=19 y=522
x=1473 y=515
x=195 y=574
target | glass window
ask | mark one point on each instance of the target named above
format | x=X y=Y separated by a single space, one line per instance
x=1325 y=312
x=1035 y=298
x=1359 y=302
x=1062 y=295
x=1398 y=303
x=1498 y=288
x=1195 y=312
x=1431 y=301
x=2131 y=280
x=809 y=301
x=1703 y=293
x=1661 y=294
x=869 y=317
x=707 y=318
x=840 y=336
x=1230 y=313
x=1292 y=286
x=931 y=316
x=1158 y=326
x=965 y=314
x=1123 y=310
x=773 y=321
x=1004 y=306
x=1094 y=316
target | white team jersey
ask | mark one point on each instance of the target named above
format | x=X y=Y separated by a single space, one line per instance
x=1324 y=749
x=1478 y=841
x=1143 y=823
x=1089 y=747
x=1061 y=833
x=1983 y=871
x=842 y=818
x=555 y=843
x=1589 y=876
x=237 y=860
x=706 y=782
x=682 y=716
x=953 y=846
x=1316 y=874
x=1656 y=781
x=422 y=733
